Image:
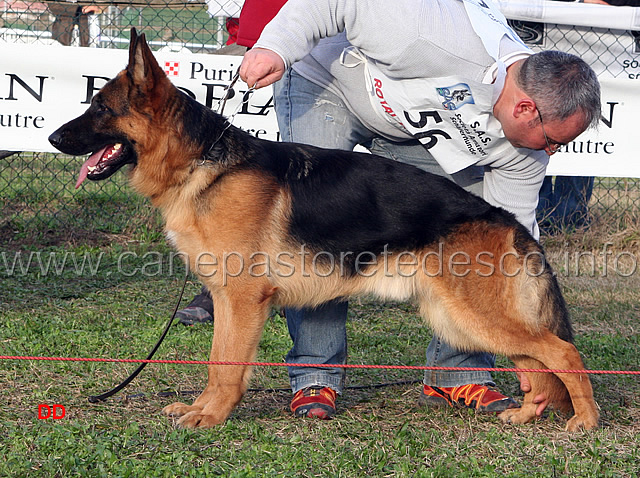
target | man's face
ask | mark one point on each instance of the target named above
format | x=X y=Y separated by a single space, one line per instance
x=527 y=131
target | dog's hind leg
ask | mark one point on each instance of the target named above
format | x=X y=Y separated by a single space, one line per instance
x=507 y=335
x=239 y=320
x=557 y=354
x=541 y=383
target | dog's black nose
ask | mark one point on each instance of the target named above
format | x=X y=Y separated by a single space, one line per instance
x=55 y=138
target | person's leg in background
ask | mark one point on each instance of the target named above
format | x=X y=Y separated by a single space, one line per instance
x=564 y=203
x=199 y=310
x=311 y=115
x=62 y=26
x=473 y=388
x=572 y=194
x=82 y=20
x=546 y=204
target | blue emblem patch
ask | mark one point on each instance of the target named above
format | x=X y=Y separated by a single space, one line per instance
x=455 y=96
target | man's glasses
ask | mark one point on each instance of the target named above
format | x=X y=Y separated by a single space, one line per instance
x=552 y=148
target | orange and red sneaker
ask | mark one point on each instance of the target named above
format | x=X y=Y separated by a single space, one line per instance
x=314 y=402
x=479 y=397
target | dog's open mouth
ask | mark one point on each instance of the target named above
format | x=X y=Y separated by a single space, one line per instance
x=104 y=162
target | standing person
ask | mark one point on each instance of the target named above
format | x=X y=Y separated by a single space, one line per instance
x=445 y=85
x=67 y=15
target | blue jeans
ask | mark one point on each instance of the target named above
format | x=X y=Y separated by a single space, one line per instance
x=312 y=115
x=565 y=203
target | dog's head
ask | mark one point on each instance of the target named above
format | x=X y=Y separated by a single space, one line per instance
x=116 y=128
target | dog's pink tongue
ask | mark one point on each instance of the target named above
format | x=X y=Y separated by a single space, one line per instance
x=92 y=161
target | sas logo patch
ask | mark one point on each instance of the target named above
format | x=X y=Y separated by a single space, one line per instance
x=455 y=96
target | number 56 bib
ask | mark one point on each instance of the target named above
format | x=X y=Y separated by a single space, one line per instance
x=451 y=116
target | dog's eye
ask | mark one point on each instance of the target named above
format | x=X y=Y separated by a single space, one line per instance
x=98 y=106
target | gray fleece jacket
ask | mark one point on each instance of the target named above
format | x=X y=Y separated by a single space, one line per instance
x=409 y=40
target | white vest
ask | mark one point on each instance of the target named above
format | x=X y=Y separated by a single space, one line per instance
x=452 y=116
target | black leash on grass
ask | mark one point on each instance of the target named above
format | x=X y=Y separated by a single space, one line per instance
x=189 y=393
x=129 y=379
x=371 y=386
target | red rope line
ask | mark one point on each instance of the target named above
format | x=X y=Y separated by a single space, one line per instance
x=280 y=364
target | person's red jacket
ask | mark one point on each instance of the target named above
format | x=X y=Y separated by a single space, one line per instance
x=254 y=16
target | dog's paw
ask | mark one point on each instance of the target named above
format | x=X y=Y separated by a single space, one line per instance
x=517 y=416
x=179 y=409
x=577 y=423
x=197 y=419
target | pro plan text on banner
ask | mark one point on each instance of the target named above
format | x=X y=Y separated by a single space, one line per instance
x=42 y=87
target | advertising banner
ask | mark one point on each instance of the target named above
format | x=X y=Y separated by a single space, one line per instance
x=42 y=87
x=38 y=96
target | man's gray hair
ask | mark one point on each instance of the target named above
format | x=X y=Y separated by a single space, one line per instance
x=561 y=84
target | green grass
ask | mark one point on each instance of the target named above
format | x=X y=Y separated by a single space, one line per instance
x=118 y=304
x=190 y=25
x=377 y=432
x=39 y=205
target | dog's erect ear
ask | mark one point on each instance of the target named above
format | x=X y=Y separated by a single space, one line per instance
x=132 y=43
x=143 y=69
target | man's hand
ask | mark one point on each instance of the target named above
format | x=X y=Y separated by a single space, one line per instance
x=89 y=9
x=261 y=67
x=540 y=399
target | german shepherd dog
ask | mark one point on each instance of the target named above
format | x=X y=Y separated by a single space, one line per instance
x=265 y=223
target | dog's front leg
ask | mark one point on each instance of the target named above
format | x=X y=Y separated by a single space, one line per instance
x=239 y=320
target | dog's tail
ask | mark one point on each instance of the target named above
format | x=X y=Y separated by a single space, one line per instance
x=554 y=308
x=540 y=285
